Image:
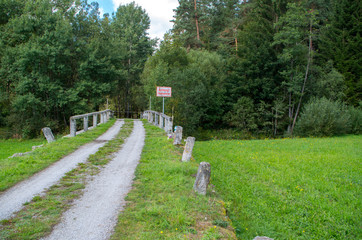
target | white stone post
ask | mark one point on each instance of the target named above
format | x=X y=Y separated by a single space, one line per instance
x=178 y=136
x=48 y=134
x=102 y=117
x=105 y=117
x=156 y=119
x=161 y=121
x=202 y=178
x=168 y=125
x=95 y=116
x=73 y=127
x=190 y=142
x=85 y=123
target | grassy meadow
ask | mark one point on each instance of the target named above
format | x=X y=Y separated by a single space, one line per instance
x=10 y=146
x=307 y=188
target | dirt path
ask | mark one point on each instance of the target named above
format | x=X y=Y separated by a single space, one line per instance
x=94 y=215
x=13 y=199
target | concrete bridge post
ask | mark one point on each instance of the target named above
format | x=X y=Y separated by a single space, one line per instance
x=85 y=123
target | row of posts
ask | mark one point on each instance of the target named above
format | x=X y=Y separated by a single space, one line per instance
x=159 y=119
x=165 y=122
x=104 y=117
x=203 y=172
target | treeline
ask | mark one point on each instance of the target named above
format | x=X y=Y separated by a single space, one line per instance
x=262 y=67
x=60 y=58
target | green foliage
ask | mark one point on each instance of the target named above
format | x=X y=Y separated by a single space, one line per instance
x=355 y=115
x=323 y=117
x=59 y=58
x=243 y=115
x=341 y=42
x=195 y=78
x=307 y=188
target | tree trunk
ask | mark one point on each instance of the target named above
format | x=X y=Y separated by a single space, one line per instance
x=196 y=22
x=305 y=77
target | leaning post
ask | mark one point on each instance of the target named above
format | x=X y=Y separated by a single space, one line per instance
x=190 y=142
x=202 y=178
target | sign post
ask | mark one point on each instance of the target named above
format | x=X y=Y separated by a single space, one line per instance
x=164 y=92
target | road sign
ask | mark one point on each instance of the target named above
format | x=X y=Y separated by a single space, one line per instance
x=163 y=91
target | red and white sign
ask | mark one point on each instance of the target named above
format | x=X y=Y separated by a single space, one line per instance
x=163 y=91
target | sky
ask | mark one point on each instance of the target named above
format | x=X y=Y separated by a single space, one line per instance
x=159 y=11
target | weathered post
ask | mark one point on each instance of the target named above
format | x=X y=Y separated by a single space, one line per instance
x=95 y=116
x=190 y=142
x=262 y=238
x=149 y=117
x=178 y=135
x=85 y=123
x=48 y=134
x=202 y=178
x=102 y=117
x=161 y=121
x=168 y=125
x=73 y=127
x=156 y=119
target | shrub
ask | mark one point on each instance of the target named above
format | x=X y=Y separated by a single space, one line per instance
x=355 y=120
x=323 y=117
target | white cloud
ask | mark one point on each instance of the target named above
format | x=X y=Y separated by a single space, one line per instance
x=101 y=10
x=159 y=11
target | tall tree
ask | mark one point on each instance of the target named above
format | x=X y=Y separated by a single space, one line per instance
x=295 y=38
x=341 y=42
x=130 y=25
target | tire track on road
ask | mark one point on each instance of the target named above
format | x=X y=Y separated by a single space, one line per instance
x=94 y=215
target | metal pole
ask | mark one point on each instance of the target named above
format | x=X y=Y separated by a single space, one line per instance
x=150 y=102
x=163 y=106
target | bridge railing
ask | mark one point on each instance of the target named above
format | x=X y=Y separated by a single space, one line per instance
x=159 y=119
x=104 y=117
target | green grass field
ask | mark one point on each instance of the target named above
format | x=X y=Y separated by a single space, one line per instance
x=11 y=146
x=308 y=188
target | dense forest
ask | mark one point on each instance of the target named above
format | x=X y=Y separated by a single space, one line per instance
x=260 y=67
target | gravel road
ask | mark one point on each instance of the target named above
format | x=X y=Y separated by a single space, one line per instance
x=94 y=215
x=13 y=199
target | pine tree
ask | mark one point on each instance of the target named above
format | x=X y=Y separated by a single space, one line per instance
x=341 y=42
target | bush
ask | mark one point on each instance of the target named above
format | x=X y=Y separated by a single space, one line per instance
x=355 y=120
x=323 y=117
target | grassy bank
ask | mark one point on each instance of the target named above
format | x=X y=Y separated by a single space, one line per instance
x=43 y=212
x=162 y=204
x=306 y=188
x=14 y=170
x=11 y=146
